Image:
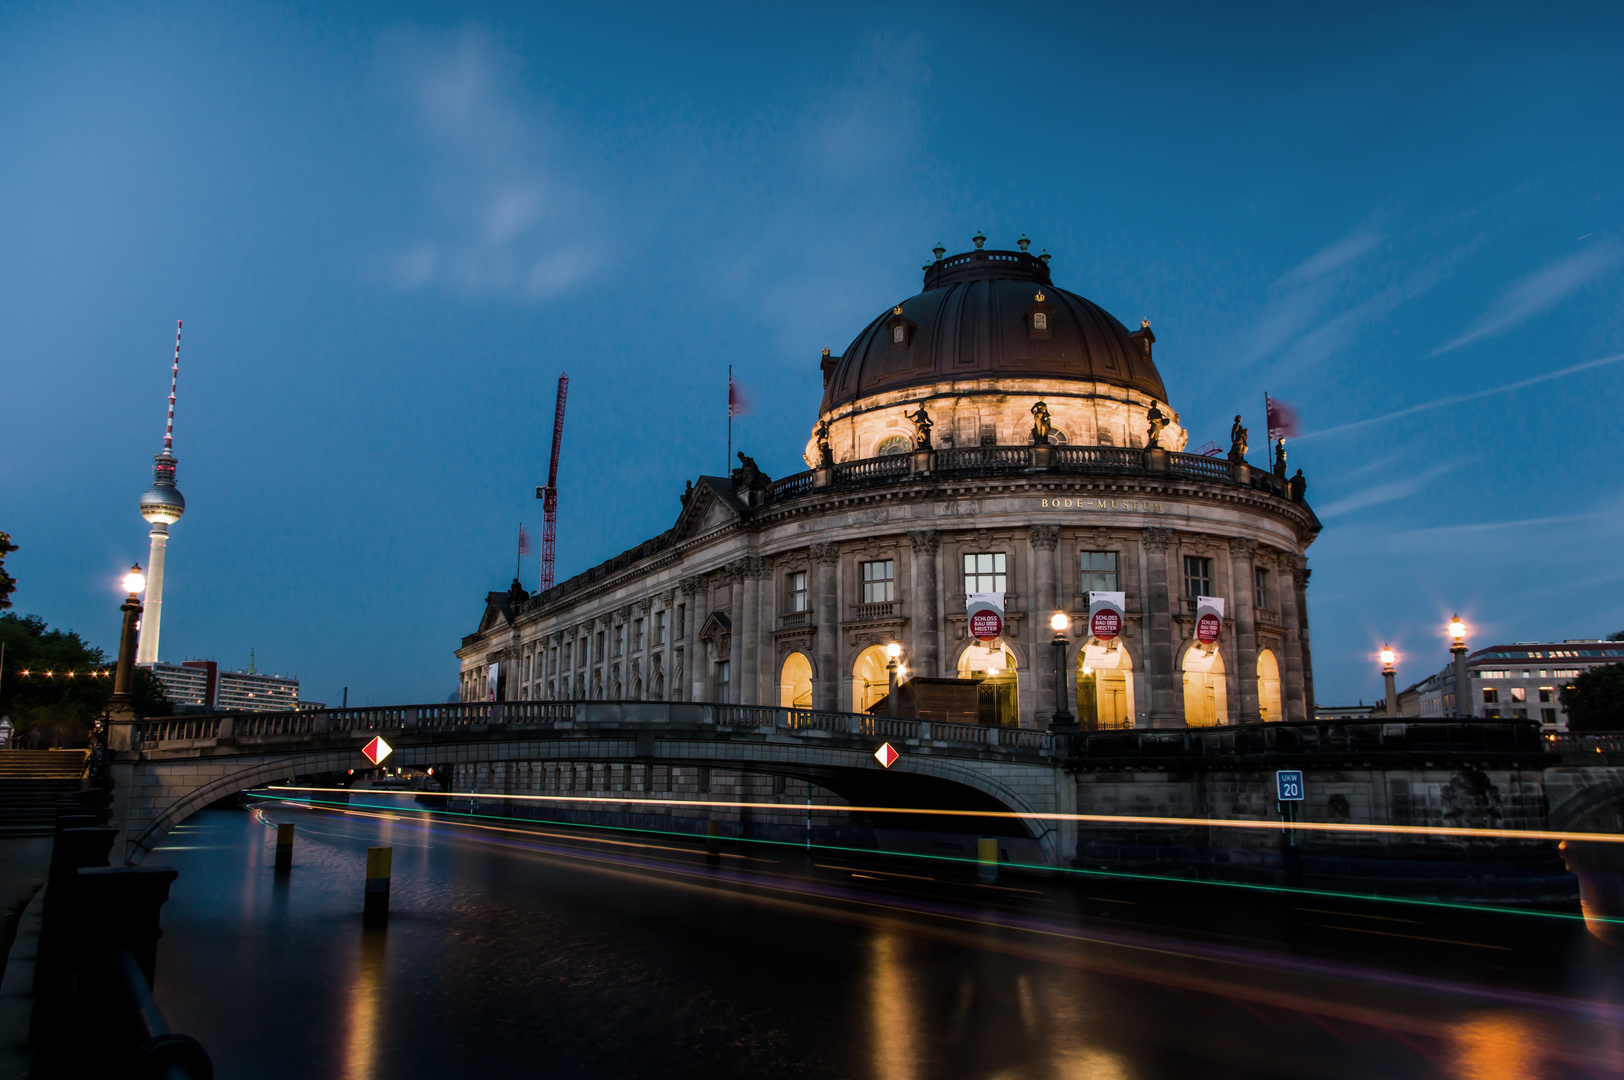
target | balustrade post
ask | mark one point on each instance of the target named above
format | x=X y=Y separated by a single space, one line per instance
x=228 y=727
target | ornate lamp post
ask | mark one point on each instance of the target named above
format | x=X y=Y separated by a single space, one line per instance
x=1388 y=656
x=892 y=652
x=1457 y=646
x=118 y=707
x=1063 y=719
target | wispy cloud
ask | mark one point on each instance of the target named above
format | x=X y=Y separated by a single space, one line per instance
x=505 y=201
x=1538 y=292
x=1456 y=399
x=1377 y=494
x=1301 y=295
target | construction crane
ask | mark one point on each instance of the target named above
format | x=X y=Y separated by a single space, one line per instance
x=548 y=493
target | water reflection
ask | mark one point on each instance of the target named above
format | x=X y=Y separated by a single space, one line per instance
x=1497 y=1047
x=893 y=1034
x=363 y=1025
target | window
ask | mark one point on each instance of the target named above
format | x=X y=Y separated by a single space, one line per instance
x=893 y=444
x=1519 y=695
x=1197 y=576
x=1099 y=572
x=899 y=334
x=569 y=654
x=877 y=581
x=1040 y=321
x=1491 y=674
x=1491 y=696
x=1261 y=579
x=682 y=620
x=797 y=591
x=597 y=653
x=1565 y=673
x=659 y=628
x=637 y=634
x=620 y=638
x=984 y=572
x=1548 y=715
x=721 y=680
x=1547 y=694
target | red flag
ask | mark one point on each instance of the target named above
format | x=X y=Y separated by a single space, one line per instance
x=524 y=541
x=737 y=403
x=1282 y=418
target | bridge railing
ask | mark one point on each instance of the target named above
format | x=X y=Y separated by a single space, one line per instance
x=1576 y=742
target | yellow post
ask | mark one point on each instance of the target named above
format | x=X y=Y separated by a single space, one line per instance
x=284 y=847
x=713 y=836
x=987 y=859
x=376 y=910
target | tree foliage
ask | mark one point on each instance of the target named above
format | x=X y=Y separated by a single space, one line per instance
x=1595 y=701
x=61 y=695
x=8 y=584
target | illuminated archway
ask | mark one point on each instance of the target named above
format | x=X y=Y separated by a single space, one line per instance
x=1268 y=686
x=795 y=682
x=869 y=679
x=998 y=699
x=1105 y=685
x=1206 y=700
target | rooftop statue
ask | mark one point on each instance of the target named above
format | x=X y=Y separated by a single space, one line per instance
x=1299 y=486
x=1158 y=424
x=1280 y=458
x=1237 y=441
x=1041 y=429
x=922 y=425
x=826 y=456
x=747 y=477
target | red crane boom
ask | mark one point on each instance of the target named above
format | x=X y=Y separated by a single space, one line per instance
x=548 y=493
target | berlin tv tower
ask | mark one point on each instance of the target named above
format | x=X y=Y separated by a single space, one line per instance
x=162 y=506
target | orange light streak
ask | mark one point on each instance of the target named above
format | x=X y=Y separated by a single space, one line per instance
x=1103 y=819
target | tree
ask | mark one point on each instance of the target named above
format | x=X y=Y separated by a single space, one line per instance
x=67 y=685
x=8 y=584
x=1595 y=702
x=1619 y=636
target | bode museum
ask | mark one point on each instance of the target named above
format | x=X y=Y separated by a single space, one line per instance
x=994 y=434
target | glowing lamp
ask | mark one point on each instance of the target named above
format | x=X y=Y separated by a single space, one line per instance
x=1059 y=622
x=893 y=650
x=993 y=673
x=135 y=580
x=1388 y=656
x=1457 y=630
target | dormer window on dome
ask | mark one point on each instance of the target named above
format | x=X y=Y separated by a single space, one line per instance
x=1040 y=318
x=899 y=330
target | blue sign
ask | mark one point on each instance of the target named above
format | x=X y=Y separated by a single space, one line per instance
x=1288 y=785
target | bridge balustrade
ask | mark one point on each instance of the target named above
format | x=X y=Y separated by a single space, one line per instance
x=1445 y=738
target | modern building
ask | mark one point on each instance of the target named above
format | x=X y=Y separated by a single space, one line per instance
x=994 y=433
x=1522 y=680
x=200 y=685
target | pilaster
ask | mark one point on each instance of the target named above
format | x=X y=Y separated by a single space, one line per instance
x=1293 y=701
x=926 y=621
x=1165 y=706
x=1241 y=550
x=826 y=681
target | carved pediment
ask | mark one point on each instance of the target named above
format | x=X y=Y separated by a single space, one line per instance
x=711 y=506
x=497 y=613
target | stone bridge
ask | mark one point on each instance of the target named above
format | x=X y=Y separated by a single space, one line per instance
x=166 y=770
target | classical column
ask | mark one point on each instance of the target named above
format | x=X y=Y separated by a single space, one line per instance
x=766 y=621
x=1292 y=677
x=1241 y=551
x=926 y=620
x=736 y=573
x=1045 y=602
x=748 y=628
x=1300 y=579
x=1165 y=706
x=694 y=592
x=826 y=686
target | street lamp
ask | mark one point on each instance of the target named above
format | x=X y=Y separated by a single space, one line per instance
x=1388 y=657
x=118 y=707
x=1062 y=719
x=1464 y=705
x=892 y=652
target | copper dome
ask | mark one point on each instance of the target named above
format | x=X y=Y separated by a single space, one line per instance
x=977 y=318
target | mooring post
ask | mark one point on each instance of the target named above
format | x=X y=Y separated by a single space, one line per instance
x=284 y=847
x=987 y=859
x=376 y=910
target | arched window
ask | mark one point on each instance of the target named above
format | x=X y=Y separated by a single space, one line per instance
x=899 y=334
x=870 y=681
x=1206 y=700
x=1268 y=686
x=893 y=444
x=998 y=701
x=795 y=682
x=1105 y=685
x=1040 y=320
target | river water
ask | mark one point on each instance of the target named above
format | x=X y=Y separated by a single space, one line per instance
x=529 y=950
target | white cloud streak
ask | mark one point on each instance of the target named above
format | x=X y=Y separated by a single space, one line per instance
x=1381 y=493
x=1538 y=292
x=1456 y=399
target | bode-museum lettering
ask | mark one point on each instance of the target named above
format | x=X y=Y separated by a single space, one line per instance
x=1102 y=504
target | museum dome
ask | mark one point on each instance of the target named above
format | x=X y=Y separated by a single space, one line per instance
x=990 y=314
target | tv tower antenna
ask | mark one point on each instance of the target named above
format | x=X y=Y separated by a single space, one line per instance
x=162 y=506
x=548 y=493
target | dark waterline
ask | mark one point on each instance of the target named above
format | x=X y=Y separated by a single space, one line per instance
x=521 y=950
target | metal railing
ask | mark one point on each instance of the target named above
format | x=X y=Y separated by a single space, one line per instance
x=1579 y=742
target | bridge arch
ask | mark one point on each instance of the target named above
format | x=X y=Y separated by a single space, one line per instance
x=1596 y=793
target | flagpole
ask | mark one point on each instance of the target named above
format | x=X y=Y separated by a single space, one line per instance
x=728 y=466
x=520 y=555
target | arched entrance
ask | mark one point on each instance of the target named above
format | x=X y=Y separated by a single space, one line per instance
x=795 y=682
x=1104 y=686
x=1268 y=686
x=1206 y=700
x=998 y=700
x=869 y=680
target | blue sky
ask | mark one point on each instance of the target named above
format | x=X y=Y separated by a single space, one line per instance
x=389 y=228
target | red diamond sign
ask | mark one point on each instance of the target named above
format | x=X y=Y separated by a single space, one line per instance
x=886 y=755
x=376 y=750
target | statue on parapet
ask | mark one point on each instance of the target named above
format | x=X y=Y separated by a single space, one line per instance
x=747 y=477
x=1237 y=441
x=826 y=456
x=1280 y=458
x=1042 y=427
x=516 y=594
x=1299 y=486
x=922 y=425
x=1158 y=424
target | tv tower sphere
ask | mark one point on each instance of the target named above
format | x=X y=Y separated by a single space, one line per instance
x=162 y=503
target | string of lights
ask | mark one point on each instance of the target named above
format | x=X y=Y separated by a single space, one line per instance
x=72 y=674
